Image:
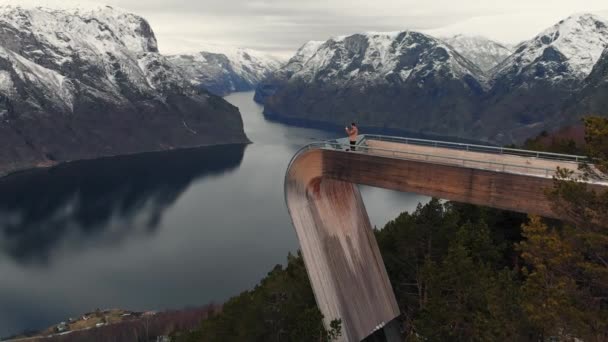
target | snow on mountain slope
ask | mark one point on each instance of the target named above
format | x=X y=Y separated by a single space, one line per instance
x=567 y=50
x=58 y=91
x=89 y=82
x=301 y=57
x=308 y=49
x=267 y=86
x=483 y=52
x=225 y=70
x=98 y=48
x=385 y=57
x=530 y=89
x=403 y=80
x=593 y=98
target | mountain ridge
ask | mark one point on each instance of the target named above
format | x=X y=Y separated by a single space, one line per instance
x=367 y=77
x=518 y=98
x=225 y=70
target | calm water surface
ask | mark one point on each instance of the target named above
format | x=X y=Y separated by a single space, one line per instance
x=154 y=231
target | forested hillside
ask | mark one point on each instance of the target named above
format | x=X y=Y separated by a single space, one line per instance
x=463 y=272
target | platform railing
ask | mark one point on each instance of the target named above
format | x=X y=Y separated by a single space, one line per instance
x=362 y=147
x=451 y=161
x=476 y=148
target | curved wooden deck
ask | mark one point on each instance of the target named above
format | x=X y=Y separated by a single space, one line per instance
x=338 y=245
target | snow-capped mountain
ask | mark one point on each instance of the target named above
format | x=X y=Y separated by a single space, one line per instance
x=392 y=80
x=377 y=58
x=483 y=52
x=304 y=53
x=84 y=83
x=565 y=51
x=414 y=82
x=530 y=87
x=226 y=70
x=267 y=86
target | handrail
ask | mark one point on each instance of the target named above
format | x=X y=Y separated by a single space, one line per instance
x=477 y=148
x=427 y=157
x=336 y=144
x=342 y=144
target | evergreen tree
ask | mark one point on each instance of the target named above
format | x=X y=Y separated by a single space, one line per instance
x=566 y=289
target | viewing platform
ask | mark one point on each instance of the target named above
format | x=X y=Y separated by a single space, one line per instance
x=508 y=160
x=337 y=241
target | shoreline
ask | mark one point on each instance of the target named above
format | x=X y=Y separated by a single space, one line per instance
x=4 y=175
x=332 y=126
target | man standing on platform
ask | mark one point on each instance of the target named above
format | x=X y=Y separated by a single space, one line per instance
x=352 y=132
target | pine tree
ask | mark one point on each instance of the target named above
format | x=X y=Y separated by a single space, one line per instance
x=566 y=289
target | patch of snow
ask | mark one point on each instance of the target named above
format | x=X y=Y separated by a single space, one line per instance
x=405 y=74
x=482 y=51
x=309 y=49
x=53 y=83
x=6 y=83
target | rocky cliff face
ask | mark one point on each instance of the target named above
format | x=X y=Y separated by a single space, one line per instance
x=80 y=84
x=398 y=80
x=227 y=70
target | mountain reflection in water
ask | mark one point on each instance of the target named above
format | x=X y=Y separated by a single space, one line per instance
x=100 y=201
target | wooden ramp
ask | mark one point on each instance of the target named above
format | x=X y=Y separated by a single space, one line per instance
x=338 y=245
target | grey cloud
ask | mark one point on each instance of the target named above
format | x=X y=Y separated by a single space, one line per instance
x=282 y=26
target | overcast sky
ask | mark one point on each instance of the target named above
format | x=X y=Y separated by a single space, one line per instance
x=281 y=26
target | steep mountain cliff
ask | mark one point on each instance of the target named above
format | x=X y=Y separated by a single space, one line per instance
x=224 y=70
x=403 y=80
x=78 y=84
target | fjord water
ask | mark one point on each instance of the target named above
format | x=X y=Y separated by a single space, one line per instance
x=154 y=231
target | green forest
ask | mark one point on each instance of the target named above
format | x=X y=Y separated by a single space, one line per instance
x=463 y=272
